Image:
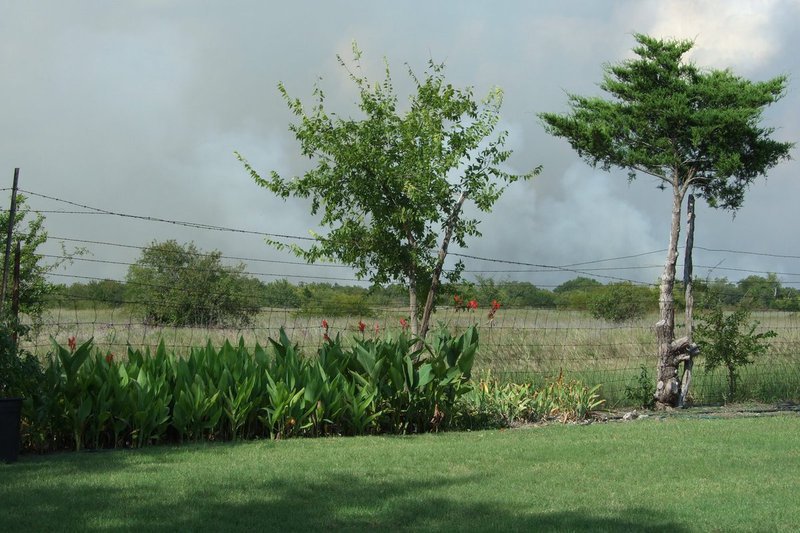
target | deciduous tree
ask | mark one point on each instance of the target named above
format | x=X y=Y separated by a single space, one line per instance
x=391 y=184
x=180 y=285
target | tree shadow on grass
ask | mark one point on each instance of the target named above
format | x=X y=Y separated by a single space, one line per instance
x=276 y=502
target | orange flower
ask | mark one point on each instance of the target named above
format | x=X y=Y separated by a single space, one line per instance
x=473 y=304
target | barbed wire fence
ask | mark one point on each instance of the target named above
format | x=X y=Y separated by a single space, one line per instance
x=518 y=342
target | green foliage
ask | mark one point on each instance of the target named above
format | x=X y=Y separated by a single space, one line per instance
x=20 y=371
x=34 y=288
x=492 y=403
x=577 y=293
x=698 y=131
x=173 y=284
x=86 y=398
x=578 y=284
x=281 y=294
x=730 y=340
x=390 y=185
x=641 y=393
x=620 y=302
x=322 y=299
x=670 y=119
x=94 y=294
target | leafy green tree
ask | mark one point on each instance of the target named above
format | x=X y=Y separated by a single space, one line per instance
x=525 y=294
x=174 y=284
x=694 y=130
x=759 y=292
x=730 y=340
x=578 y=284
x=620 y=302
x=34 y=288
x=280 y=293
x=103 y=293
x=577 y=293
x=391 y=185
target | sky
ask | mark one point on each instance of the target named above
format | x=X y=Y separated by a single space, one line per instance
x=137 y=107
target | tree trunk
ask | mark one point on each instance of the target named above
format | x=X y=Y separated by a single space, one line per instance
x=437 y=269
x=412 y=305
x=668 y=386
x=688 y=363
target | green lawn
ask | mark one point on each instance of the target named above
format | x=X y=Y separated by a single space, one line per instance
x=655 y=474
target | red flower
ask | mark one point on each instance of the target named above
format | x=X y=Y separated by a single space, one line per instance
x=325 y=324
x=72 y=344
x=495 y=305
x=110 y=358
x=361 y=326
x=377 y=328
x=404 y=324
x=473 y=304
x=326 y=338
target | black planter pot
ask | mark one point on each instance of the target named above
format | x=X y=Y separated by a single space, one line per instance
x=10 y=411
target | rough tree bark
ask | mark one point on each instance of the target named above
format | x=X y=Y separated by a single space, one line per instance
x=688 y=362
x=412 y=305
x=668 y=385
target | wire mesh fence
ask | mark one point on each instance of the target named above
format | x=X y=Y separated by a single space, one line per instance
x=518 y=342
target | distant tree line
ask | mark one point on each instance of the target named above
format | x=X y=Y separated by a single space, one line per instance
x=180 y=285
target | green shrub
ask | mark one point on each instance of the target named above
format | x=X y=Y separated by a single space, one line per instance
x=337 y=304
x=178 y=285
x=20 y=371
x=620 y=302
x=729 y=340
x=640 y=394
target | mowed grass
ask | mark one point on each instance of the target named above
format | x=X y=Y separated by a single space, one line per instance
x=520 y=345
x=655 y=474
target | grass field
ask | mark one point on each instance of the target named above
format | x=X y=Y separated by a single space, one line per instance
x=655 y=474
x=521 y=344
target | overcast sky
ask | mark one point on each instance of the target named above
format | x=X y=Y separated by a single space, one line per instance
x=137 y=107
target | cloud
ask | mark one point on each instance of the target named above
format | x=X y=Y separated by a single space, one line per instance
x=738 y=34
x=137 y=107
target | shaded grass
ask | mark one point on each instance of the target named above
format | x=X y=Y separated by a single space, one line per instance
x=649 y=475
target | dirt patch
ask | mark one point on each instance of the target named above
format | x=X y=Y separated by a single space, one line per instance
x=739 y=410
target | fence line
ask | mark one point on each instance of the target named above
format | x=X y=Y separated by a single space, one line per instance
x=518 y=342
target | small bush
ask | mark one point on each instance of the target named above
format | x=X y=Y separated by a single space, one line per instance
x=620 y=302
x=640 y=394
x=337 y=304
x=730 y=341
x=20 y=371
x=178 y=285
